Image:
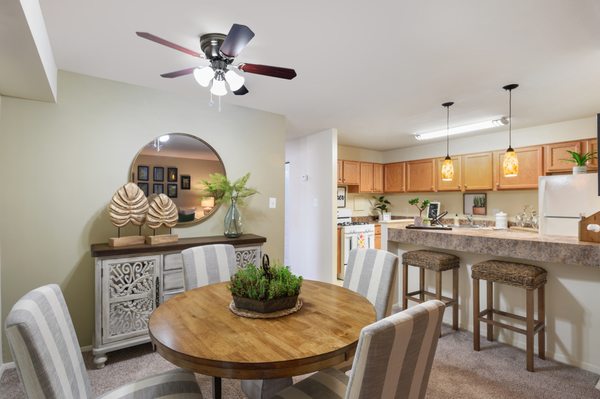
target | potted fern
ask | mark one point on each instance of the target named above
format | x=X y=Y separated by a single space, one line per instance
x=580 y=160
x=265 y=289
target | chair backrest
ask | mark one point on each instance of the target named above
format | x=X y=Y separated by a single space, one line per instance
x=208 y=264
x=395 y=355
x=44 y=346
x=371 y=273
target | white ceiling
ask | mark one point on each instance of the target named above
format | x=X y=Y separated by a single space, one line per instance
x=378 y=70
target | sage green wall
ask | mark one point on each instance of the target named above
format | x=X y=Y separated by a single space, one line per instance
x=61 y=163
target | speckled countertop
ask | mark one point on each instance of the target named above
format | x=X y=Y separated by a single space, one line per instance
x=508 y=243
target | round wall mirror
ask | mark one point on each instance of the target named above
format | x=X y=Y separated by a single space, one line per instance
x=175 y=164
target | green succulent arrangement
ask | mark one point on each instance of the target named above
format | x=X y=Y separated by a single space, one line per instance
x=479 y=202
x=263 y=283
x=223 y=190
x=421 y=207
x=580 y=159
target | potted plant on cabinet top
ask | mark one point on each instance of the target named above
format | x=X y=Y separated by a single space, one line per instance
x=224 y=191
x=421 y=208
x=580 y=160
x=265 y=289
x=382 y=205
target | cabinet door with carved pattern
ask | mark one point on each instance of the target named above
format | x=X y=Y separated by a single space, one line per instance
x=130 y=292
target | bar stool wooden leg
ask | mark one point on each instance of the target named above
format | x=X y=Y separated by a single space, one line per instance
x=421 y=284
x=476 y=314
x=455 y=299
x=542 y=319
x=404 y=285
x=490 y=307
x=530 y=326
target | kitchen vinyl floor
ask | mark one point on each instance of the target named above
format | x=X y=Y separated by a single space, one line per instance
x=498 y=371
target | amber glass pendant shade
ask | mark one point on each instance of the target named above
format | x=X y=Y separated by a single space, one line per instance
x=510 y=166
x=447 y=169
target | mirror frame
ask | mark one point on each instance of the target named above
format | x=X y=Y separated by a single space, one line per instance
x=210 y=147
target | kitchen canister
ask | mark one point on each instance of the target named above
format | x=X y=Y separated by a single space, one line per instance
x=501 y=220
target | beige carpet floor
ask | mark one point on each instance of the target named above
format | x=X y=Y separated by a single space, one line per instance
x=498 y=371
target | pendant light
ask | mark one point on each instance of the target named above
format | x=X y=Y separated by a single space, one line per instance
x=510 y=166
x=447 y=165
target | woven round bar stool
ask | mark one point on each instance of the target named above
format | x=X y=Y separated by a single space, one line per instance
x=518 y=275
x=437 y=262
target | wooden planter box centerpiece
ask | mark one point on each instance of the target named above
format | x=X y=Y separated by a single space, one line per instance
x=265 y=289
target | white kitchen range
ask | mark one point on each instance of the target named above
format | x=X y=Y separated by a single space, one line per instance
x=351 y=235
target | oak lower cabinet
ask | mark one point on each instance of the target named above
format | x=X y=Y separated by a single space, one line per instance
x=393 y=177
x=477 y=172
x=531 y=166
x=420 y=175
x=377 y=236
x=132 y=282
x=456 y=183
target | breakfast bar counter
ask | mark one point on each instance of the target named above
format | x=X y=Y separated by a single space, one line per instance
x=505 y=243
x=572 y=306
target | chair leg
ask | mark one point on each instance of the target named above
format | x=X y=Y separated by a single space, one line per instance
x=421 y=284
x=542 y=319
x=438 y=289
x=490 y=308
x=455 y=299
x=476 y=314
x=530 y=326
x=404 y=285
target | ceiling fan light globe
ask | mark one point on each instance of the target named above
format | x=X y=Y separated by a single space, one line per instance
x=234 y=80
x=204 y=75
x=218 y=88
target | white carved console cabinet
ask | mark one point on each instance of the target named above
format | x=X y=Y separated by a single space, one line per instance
x=132 y=281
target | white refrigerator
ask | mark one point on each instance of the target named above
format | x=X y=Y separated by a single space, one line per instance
x=564 y=199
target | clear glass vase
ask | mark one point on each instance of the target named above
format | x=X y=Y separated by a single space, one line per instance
x=233 y=221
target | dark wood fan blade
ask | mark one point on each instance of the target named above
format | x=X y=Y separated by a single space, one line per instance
x=176 y=74
x=237 y=38
x=159 y=40
x=267 y=70
x=241 y=91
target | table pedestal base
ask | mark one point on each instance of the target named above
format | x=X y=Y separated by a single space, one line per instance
x=265 y=389
x=216 y=387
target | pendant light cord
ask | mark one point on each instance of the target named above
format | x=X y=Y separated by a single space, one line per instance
x=510 y=118
x=448 y=131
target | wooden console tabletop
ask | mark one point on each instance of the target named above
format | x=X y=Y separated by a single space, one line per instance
x=102 y=250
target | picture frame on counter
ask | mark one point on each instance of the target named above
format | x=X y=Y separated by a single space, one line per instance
x=341 y=197
x=433 y=210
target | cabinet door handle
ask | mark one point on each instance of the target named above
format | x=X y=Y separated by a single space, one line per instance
x=459 y=186
x=157 y=292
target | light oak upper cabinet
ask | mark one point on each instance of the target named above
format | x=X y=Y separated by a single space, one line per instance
x=477 y=172
x=456 y=183
x=554 y=155
x=420 y=175
x=377 y=178
x=531 y=166
x=351 y=172
x=366 y=178
x=592 y=146
x=340 y=172
x=393 y=174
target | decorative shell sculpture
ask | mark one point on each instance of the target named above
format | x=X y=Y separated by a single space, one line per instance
x=129 y=204
x=162 y=211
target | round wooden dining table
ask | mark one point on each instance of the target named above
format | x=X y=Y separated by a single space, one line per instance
x=197 y=331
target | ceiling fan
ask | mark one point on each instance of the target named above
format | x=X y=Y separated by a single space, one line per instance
x=220 y=51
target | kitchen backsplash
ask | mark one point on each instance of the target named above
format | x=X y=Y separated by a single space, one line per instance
x=511 y=202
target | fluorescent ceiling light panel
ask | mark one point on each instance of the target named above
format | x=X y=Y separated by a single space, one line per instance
x=473 y=127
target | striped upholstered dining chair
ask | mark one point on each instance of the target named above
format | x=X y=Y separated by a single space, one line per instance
x=208 y=264
x=371 y=273
x=393 y=360
x=49 y=363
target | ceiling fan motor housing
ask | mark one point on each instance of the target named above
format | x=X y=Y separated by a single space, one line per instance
x=210 y=44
